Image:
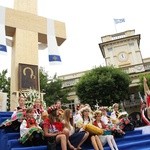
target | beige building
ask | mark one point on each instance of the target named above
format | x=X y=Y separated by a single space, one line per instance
x=122 y=50
x=69 y=80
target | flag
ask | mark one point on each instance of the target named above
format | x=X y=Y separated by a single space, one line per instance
x=3 y=48
x=141 y=99
x=53 y=53
x=146 y=91
x=119 y=20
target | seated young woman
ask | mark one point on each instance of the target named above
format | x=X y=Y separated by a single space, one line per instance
x=53 y=128
x=30 y=133
x=21 y=106
x=84 y=119
x=38 y=110
x=114 y=121
x=13 y=123
x=104 y=138
x=75 y=139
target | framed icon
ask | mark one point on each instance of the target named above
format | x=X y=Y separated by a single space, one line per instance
x=28 y=77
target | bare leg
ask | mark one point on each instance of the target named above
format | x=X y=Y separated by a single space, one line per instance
x=94 y=143
x=83 y=139
x=99 y=143
x=62 y=139
x=66 y=132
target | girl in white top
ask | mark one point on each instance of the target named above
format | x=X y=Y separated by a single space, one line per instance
x=105 y=118
x=114 y=115
x=29 y=129
x=38 y=110
x=86 y=119
x=21 y=106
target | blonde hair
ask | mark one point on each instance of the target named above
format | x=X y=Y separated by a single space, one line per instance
x=115 y=104
x=84 y=109
x=67 y=119
x=44 y=115
x=96 y=113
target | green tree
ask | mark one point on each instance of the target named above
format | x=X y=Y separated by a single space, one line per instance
x=44 y=79
x=52 y=87
x=5 y=85
x=104 y=85
x=4 y=81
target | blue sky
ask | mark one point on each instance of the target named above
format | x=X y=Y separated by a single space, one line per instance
x=86 y=22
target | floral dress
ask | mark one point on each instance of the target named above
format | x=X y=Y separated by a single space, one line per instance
x=31 y=135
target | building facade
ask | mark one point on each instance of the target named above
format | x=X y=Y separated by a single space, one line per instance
x=121 y=50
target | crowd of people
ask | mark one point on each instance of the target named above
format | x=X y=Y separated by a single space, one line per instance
x=68 y=129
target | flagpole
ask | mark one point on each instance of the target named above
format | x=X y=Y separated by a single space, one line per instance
x=3 y=48
x=115 y=27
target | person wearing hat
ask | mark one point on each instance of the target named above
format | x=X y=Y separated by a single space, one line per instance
x=104 y=138
x=112 y=122
x=84 y=117
x=114 y=115
x=87 y=118
x=105 y=118
x=124 y=122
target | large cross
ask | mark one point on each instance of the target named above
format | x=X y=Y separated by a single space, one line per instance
x=27 y=30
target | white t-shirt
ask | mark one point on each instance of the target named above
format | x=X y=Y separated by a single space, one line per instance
x=104 y=119
x=23 y=128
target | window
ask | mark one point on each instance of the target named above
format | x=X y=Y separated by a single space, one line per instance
x=131 y=44
x=109 y=49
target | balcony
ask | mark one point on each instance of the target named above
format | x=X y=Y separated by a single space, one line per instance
x=130 y=104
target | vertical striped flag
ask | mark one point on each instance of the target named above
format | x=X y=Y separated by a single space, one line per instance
x=53 y=53
x=3 y=49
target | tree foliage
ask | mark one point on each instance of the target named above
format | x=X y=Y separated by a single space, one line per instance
x=4 y=82
x=5 y=85
x=104 y=85
x=52 y=87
